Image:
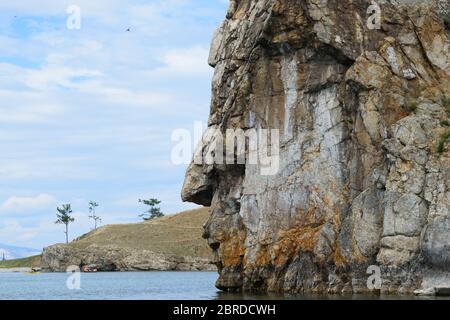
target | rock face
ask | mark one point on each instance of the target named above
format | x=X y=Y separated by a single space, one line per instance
x=110 y=258
x=361 y=100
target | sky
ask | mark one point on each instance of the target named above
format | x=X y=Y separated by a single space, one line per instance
x=88 y=114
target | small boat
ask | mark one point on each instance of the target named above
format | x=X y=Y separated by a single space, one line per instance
x=89 y=269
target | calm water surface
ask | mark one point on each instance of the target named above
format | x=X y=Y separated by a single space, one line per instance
x=128 y=286
x=110 y=285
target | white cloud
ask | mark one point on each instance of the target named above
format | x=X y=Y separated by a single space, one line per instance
x=51 y=7
x=13 y=231
x=27 y=110
x=53 y=76
x=22 y=165
x=185 y=61
x=122 y=96
x=21 y=204
x=88 y=113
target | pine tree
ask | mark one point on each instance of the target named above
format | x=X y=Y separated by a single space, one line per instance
x=64 y=217
x=153 y=212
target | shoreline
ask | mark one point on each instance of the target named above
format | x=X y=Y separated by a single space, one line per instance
x=16 y=270
x=31 y=270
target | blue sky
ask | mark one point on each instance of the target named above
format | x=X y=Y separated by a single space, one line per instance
x=88 y=114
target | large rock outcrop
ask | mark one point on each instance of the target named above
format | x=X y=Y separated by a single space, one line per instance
x=169 y=243
x=364 y=173
x=59 y=257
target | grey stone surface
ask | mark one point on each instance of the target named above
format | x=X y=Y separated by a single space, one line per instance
x=360 y=179
x=109 y=258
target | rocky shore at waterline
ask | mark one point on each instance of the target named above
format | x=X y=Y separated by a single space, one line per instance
x=59 y=257
x=16 y=270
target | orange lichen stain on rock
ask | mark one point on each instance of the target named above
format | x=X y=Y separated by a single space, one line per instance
x=310 y=217
x=290 y=243
x=338 y=258
x=263 y=257
x=293 y=241
x=232 y=250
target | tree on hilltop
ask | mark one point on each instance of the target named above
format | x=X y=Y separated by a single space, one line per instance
x=153 y=212
x=65 y=218
x=92 y=207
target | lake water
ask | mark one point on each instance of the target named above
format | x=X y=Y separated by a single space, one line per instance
x=104 y=286
x=131 y=286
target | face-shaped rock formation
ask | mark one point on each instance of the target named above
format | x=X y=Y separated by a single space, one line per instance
x=360 y=93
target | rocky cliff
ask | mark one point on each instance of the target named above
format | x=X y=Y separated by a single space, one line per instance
x=360 y=92
x=165 y=244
